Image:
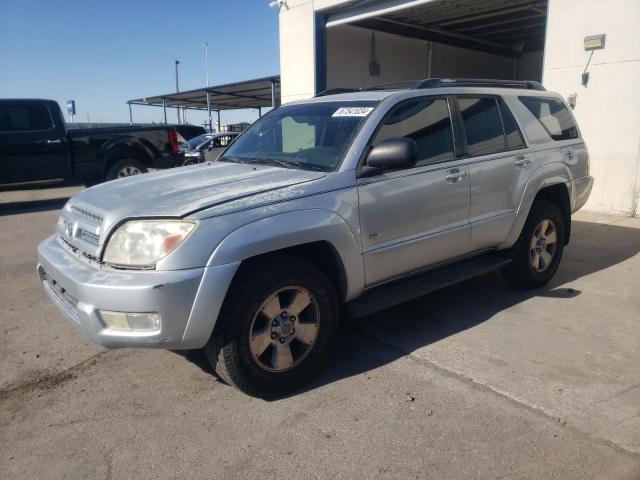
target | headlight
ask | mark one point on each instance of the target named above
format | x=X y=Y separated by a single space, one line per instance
x=141 y=243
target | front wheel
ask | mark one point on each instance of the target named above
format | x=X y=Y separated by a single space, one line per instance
x=276 y=327
x=539 y=249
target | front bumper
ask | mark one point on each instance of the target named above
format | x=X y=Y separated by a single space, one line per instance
x=188 y=301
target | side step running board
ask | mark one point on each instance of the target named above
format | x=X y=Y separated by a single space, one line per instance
x=390 y=294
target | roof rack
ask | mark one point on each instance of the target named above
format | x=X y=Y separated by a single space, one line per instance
x=441 y=83
x=478 y=82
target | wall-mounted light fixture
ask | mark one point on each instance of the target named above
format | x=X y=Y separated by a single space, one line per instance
x=591 y=44
x=594 y=42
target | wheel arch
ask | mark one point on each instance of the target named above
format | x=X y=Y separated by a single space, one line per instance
x=124 y=150
x=317 y=235
x=551 y=183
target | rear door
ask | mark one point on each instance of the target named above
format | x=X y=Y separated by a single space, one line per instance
x=416 y=217
x=32 y=145
x=498 y=164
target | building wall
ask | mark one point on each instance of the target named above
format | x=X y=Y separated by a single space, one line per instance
x=349 y=54
x=297 y=50
x=608 y=108
x=450 y=61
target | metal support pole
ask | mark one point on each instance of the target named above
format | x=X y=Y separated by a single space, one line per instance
x=130 y=115
x=209 y=109
x=273 y=94
x=218 y=126
x=205 y=44
x=164 y=107
x=177 y=87
x=259 y=112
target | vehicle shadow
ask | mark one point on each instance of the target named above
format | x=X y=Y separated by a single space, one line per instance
x=433 y=317
x=32 y=206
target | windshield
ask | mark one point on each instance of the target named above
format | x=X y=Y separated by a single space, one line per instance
x=311 y=136
x=195 y=142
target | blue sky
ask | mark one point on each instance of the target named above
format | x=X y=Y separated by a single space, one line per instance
x=102 y=53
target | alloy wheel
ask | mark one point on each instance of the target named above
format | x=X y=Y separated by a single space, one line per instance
x=544 y=244
x=128 y=171
x=284 y=329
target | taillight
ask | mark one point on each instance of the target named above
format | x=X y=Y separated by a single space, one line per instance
x=173 y=141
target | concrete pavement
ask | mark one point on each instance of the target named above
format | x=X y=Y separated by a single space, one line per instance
x=477 y=381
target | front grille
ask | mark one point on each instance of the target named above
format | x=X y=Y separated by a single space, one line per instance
x=81 y=229
x=86 y=214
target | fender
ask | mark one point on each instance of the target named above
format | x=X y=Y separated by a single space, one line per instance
x=546 y=176
x=291 y=229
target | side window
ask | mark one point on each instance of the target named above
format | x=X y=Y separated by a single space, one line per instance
x=511 y=130
x=553 y=115
x=222 y=141
x=482 y=125
x=426 y=121
x=24 y=118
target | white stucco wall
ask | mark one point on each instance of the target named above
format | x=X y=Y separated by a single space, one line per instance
x=297 y=51
x=608 y=109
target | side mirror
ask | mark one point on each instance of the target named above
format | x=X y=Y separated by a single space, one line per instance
x=393 y=153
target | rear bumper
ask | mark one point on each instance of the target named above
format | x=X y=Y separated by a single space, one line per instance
x=581 y=190
x=188 y=301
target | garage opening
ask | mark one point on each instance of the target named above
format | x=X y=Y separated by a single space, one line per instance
x=396 y=41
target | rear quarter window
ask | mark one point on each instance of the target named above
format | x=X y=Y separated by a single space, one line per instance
x=553 y=116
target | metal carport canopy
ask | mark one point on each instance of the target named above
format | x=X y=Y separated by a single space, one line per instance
x=503 y=27
x=256 y=93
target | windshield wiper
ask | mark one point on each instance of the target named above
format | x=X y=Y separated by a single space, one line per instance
x=229 y=158
x=275 y=161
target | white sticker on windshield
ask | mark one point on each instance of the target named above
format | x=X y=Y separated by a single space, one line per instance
x=352 y=112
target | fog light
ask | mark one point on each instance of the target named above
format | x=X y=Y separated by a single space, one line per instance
x=124 y=321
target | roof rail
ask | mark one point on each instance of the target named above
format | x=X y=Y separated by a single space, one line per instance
x=478 y=82
x=336 y=91
x=441 y=83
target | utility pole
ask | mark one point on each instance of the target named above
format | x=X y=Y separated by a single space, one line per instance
x=177 y=87
x=205 y=44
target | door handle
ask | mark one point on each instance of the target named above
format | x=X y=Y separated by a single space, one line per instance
x=49 y=142
x=455 y=175
x=521 y=161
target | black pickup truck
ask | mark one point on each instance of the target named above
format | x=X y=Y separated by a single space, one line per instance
x=36 y=145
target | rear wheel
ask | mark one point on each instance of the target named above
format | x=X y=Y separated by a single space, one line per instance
x=125 y=167
x=276 y=327
x=539 y=249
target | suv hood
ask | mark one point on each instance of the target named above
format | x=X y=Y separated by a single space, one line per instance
x=180 y=191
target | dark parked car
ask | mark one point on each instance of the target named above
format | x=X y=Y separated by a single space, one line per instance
x=189 y=131
x=207 y=147
x=36 y=145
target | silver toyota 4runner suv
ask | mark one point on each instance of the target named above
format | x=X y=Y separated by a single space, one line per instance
x=360 y=200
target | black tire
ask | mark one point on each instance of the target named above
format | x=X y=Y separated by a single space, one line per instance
x=115 y=171
x=521 y=271
x=229 y=351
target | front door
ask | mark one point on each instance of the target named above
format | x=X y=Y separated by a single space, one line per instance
x=417 y=217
